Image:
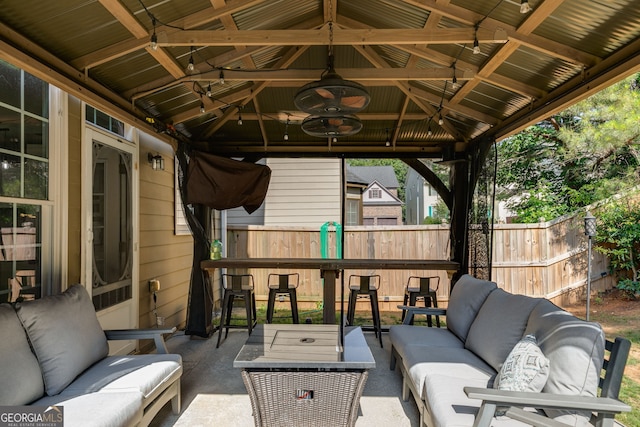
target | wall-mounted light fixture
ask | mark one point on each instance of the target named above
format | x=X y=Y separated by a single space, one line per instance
x=157 y=162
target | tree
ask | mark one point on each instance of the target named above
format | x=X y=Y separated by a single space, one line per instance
x=619 y=239
x=584 y=154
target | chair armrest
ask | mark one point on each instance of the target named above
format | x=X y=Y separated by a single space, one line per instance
x=547 y=400
x=142 y=334
x=413 y=310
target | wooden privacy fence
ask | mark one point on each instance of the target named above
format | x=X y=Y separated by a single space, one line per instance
x=546 y=259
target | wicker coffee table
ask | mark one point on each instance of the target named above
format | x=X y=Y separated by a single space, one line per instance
x=299 y=375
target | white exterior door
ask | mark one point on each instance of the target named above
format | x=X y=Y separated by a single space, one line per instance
x=111 y=230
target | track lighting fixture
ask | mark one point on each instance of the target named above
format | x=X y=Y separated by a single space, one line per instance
x=221 y=77
x=524 y=6
x=209 y=94
x=190 y=66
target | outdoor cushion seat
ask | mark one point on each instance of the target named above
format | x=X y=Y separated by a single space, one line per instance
x=454 y=363
x=100 y=409
x=449 y=405
x=56 y=353
x=144 y=373
x=451 y=373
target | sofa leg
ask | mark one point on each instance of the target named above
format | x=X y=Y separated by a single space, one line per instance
x=392 y=362
x=405 y=389
x=176 y=401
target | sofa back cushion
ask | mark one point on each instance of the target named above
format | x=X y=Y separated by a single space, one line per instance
x=575 y=349
x=466 y=298
x=65 y=335
x=20 y=374
x=499 y=325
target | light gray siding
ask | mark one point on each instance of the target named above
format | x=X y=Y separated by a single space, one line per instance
x=303 y=192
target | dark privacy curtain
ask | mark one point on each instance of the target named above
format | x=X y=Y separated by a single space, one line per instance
x=207 y=181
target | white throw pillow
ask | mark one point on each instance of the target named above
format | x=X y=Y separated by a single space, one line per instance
x=525 y=369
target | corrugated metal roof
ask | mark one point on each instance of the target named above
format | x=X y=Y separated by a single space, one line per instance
x=403 y=52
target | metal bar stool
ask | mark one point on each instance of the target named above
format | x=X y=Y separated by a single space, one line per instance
x=237 y=286
x=362 y=286
x=280 y=285
x=422 y=287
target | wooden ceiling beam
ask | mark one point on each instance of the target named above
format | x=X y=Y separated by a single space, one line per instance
x=320 y=37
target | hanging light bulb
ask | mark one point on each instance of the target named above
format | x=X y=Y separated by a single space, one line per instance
x=454 y=82
x=154 y=37
x=202 y=110
x=524 y=6
x=387 y=141
x=239 y=117
x=209 y=94
x=286 y=130
x=221 y=77
x=476 y=46
x=440 y=120
x=190 y=66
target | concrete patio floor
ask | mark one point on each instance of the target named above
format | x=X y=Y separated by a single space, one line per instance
x=213 y=392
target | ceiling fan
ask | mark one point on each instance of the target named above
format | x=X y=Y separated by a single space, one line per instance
x=330 y=126
x=332 y=95
x=331 y=101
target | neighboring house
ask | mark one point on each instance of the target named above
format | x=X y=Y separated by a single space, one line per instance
x=380 y=202
x=420 y=198
x=302 y=192
x=306 y=192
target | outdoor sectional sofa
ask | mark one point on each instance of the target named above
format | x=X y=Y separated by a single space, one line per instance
x=506 y=357
x=54 y=352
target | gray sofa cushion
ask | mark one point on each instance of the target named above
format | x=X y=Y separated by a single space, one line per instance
x=70 y=344
x=144 y=372
x=20 y=374
x=450 y=407
x=499 y=326
x=466 y=298
x=575 y=350
x=103 y=409
x=405 y=337
x=452 y=362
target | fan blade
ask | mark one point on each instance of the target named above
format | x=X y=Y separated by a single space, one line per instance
x=324 y=93
x=354 y=101
x=336 y=121
x=346 y=128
